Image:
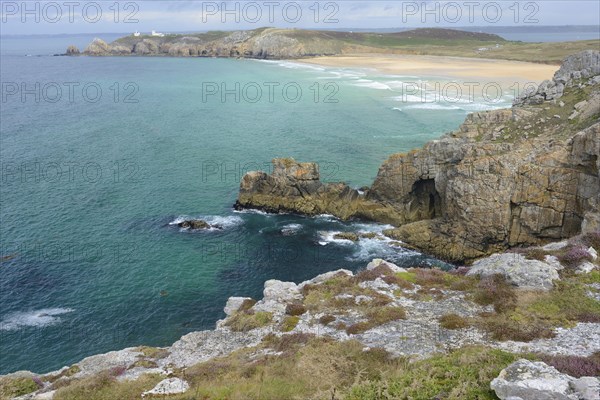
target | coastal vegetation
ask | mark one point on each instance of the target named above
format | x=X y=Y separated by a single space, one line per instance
x=279 y=43
x=319 y=368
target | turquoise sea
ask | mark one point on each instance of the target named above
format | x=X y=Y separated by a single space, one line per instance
x=92 y=184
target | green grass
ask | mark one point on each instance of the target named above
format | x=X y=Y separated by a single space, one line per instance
x=105 y=387
x=557 y=128
x=289 y=323
x=377 y=316
x=72 y=370
x=244 y=321
x=592 y=277
x=569 y=302
x=13 y=387
x=453 y=321
x=461 y=374
x=535 y=315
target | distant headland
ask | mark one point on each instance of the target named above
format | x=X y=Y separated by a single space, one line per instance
x=275 y=43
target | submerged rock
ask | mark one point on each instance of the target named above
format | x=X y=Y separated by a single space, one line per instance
x=197 y=224
x=519 y=271
x=346 y=236
x=524 y=379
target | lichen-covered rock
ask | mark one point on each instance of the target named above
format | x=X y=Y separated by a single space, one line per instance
x=280 y=291
x=585 y=268
x=519 y=271
x=377 y=262
x=325 y=277
x=196 y=347
x=526 y=380
x=167 y=387
x=579 y=66
x=234 y=303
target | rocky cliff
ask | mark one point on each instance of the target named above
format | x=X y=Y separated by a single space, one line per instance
x=259 y=43
x=277 y=43
x=520 y=176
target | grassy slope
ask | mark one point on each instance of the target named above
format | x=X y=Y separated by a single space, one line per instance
x=446 y=42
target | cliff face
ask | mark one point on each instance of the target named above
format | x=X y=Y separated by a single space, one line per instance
x=521 y=176
x=259 y=43
x=279 y=43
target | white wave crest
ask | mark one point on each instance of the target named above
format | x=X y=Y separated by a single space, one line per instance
x=371 y=84
x=291 y=229
x=327 y=237
x=433 y=106
x=36 y=318
x=224 y=222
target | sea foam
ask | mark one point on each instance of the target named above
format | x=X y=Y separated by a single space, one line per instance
x=225 y=222
x=35 y=318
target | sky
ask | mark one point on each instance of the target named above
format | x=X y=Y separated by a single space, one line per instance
x=71 y=16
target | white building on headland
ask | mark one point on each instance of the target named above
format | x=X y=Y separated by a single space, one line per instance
x=154 y=33
x=136 y=34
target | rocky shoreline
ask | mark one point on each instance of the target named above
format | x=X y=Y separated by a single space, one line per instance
x=402 y=311
x=266 y=43
x=508 y=178
x=517 y=177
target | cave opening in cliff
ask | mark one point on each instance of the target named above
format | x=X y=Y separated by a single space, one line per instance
x=427 y=202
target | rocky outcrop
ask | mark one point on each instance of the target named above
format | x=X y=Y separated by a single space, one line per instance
x=97 y=47
x=505 y=178
x=72 y=51
x=519 y=271
x=378 y=262
x=259 y=43
x=579 y=66
x=168 y=387
x=296 y=187
x=525 y=379
x=196 y=224
x=275 y=43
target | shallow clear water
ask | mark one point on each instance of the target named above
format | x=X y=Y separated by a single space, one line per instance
x=91 y=262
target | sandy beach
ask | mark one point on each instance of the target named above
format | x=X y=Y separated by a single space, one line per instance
x=442 y=66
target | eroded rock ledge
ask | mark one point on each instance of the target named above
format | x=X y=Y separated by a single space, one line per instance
x=513 y=177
